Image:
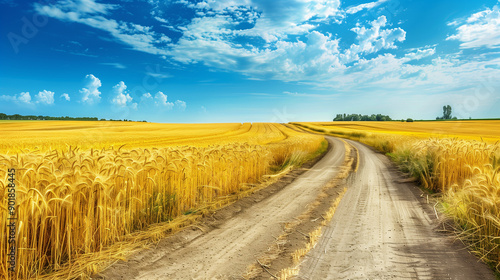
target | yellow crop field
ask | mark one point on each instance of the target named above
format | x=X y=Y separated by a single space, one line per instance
x=46 y=135
x=459 y=160
x=471 y=130
x=84 y=186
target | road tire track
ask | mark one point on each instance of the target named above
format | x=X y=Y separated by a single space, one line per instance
x=384 y=229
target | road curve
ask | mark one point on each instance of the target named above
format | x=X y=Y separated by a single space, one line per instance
x=225 y=252
x=384 y=229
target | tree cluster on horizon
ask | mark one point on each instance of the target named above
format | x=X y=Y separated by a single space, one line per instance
x=359 y=117
x=48 y=118
x=446 y=114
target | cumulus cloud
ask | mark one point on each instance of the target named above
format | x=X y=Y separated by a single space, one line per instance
x=122 y=98
x=45 y=97
x=374 y=39
x=214 y=38
x=209 y=40
x=90 y=92
x=481 y=29
x=316 y=56
x=279 y=19
x=65 y=96
x=270 y=20
x=180 y=104
x=23 y=98
x=161 y=100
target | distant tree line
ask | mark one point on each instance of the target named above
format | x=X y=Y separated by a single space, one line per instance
x=48 y=118
x=359 y=117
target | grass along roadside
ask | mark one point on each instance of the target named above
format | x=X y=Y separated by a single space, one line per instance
x=463 y=174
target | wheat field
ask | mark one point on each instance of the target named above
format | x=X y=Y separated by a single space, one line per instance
x=104 y=134
x=458 y=160
x=84 y=186
x=469 y=130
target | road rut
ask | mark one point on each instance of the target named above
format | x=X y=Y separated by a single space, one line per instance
x=384 y=229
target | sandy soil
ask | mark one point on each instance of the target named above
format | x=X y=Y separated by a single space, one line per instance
x=225 y=252
x=385 y=229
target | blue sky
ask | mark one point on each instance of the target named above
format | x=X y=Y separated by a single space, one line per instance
x=249 y=60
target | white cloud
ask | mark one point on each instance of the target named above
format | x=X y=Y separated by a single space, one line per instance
x=279 y=19
x=45 y=97
x=65 y=96
x=24 y=97
x=481 y=29
x=207 y=40
x=420 y=53
x=180 y=104
x=368 y=6
x=161 y=100
x=282 y=40
x=390 y=74
x=90 y=92
x=214 y=36
x=91 y=13
x=219 y=23
x=122 y=98
x=161 y=19
x=315 y=57
x=374 y=39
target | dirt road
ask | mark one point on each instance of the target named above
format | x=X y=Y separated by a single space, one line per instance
x=382 y=229
x=227 y=251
